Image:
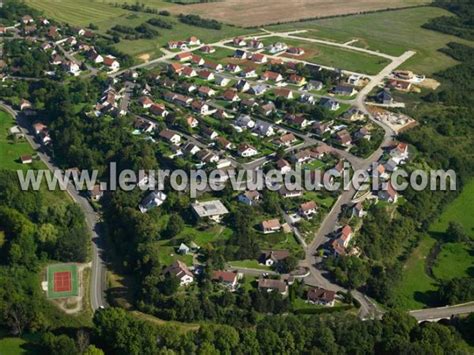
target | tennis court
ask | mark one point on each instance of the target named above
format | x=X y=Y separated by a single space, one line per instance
x=62 y=281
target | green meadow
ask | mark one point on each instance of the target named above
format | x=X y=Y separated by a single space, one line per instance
x=391 y=32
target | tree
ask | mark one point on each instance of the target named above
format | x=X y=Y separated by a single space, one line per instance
x=92 y=350
x=82 y=340
x=59 y=345
x=168 y=285
x=456 y=233
x=175 y=225
x=289 y=264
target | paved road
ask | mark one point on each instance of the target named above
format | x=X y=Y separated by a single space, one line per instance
x=330 y=223
x=316 y=277
x=251 y=271
x=434 y=314
x=98 y=275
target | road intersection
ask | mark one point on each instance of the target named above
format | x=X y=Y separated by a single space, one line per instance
x=316 y=277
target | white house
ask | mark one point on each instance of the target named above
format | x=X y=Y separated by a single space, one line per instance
x=322 y=297
x=222 y=81
x=308 y=209
x=111 y=62
x=264 y=128
x=152 y=200
x=250 y=198
x=214 y=210
x=170 y=136
x=179 y=270
x=247 y=151
x=245 y=121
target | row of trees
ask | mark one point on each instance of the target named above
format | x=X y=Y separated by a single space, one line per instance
x=121 y=333
x=196 y=20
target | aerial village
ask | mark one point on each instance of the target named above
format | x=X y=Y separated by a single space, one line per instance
x=243 y=103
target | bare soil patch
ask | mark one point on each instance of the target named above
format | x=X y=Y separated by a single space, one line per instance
x=144 y=57
x=243 y=63
x=309 y=54
x=430 y=84
x=75 y=305
x=264 y=12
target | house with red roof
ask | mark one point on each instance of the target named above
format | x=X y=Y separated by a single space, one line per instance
x=181 y=271
x=321 y=296
x=259 y=58
x=273 y=76
x=183 y=57
x=229 y=279
x=111 y=62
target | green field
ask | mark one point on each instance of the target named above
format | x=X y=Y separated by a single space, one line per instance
x=11 y=151
x=105 y=16
x=52 y=269
x=218 y=55
x=207 y=236
x=10 y=345
x=414 y=292
x=249 y=264
x=460 y=210
x=334 y=56
x=454 y=259
x=390 y=32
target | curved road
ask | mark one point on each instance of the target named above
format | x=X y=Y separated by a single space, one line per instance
x=316 y=277
x=328 y=225
x=98 y=272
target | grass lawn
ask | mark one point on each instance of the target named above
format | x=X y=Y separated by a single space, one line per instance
x=315 y=164
x=460 y=210
x=218 y=55
x=250 y=264
x=105 y=16
x=319 y=198
x=334 y=56
x=416 y=286
x=390 y=32
x=17 y=346
x=10 y=151
x=168 y=247
x=209 y=235
x=168 y=254
x=278 y=241
x=454 y=260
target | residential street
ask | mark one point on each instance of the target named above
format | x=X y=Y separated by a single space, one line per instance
x=98 y=272
x=330 y=223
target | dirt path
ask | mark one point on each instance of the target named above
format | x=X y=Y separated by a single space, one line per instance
x=74 y=305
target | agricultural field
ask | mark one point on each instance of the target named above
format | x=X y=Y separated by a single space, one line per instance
x=105 y=16
x=371 y=32
x=333 y=56
x=256 y=13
